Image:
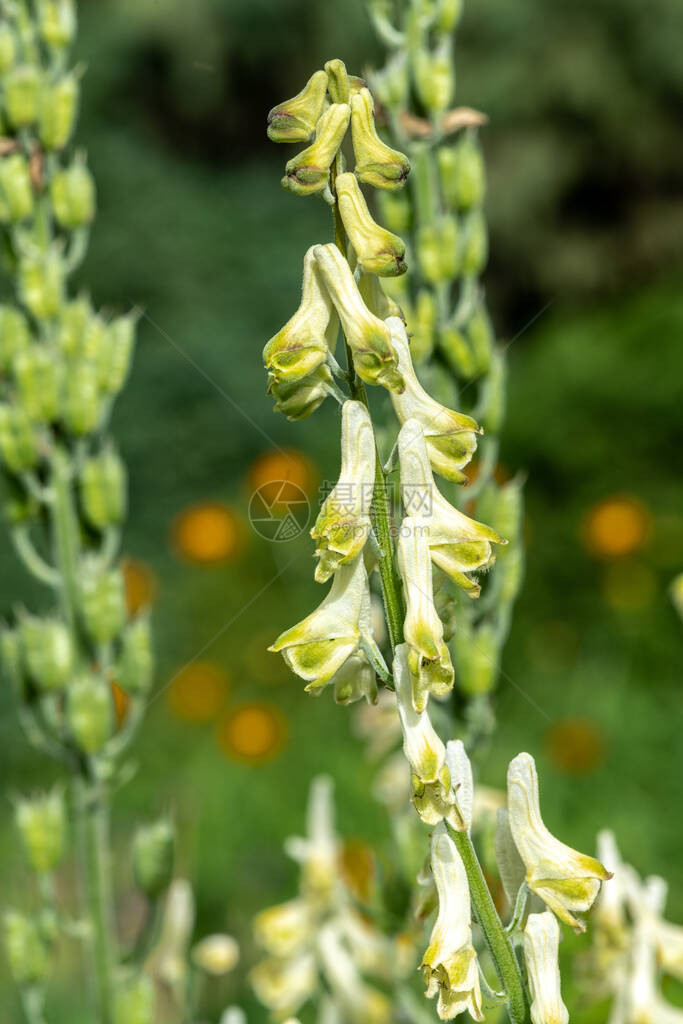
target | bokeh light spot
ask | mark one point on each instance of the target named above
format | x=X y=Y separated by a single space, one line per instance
x=206 y=533
x=272 y=468
x=576 y=746
x=617 y=526
x=141 y=585
x=252 y=732
x=198 y=692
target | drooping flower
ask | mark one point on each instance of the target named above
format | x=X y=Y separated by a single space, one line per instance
x=451 y=437
x=541 y=950
x=343 y=524
x=308 y=172
x=567 y=881
x=300 y=399
x=457 y=544
x=450 y=961
x=376 y=163
x=429 y=660
x=295 y=120
x=316 y=648
x=378 y=251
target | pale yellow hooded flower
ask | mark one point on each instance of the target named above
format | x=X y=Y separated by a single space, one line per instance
x=541 y=956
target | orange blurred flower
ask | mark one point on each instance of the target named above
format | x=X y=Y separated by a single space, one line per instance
x=252 y=732
x=576 y=745
x=121 y=704
x=198 y=692
x=616 y=526
x=141 y=585
x=207 y=533
x=291 y=466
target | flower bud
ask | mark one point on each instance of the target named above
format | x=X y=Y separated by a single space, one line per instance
x=462 y=174
x=57 y=22
x=450 y=436
x=565 y=880
x=337 y=81
x=447 y=16
x=135 y=668
x=475 y=653
x=47 y=650
x=72 y=192
x=300 y=399
x=423 y=324
x=376 y=163
x=102 y=487
x=456 y=349
x=216 y=955
x=492 y=401
x=308 y=172
x=510 y=571
x=377 y=250
x=89 y=712
x=396 y=211
x=81 y=402
x=21 y=93
x=355 y=680
x=15 y=335
x=134 y=1001
x=295 y=119
x=343 y=524
x=303 y=344
x=368 y=337
x=95 y=343
x=58 y=109
x=434 y=76
x=103 y=604
x=73 y=320
x=41 y=822
x=391 y=84
x=541 y=957
x=481 y=337
x=438 y=249
x=27 y=951
x=18 y=440
x=16 y=191
x=153 y=853
x=41 y=283
x=116 y=354
x=503 y=506
x=8 y=48
x=39 y=378
x=476 y=246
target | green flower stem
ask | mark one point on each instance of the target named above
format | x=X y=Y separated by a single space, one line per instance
x=497 y=941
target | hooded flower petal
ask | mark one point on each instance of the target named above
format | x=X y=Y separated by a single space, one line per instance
x=541 y=950
x=567 y=881
x=374 y=357
x=450 y=436
x=376 y=163
x=462 y=783
x=424 y=751
x=378 y=251
x=450 y=962
x=431 y=669
x=308 y=172
x=300 y=399
x=295 y=119
x=457 y=544
x=303 y=344
x=343 y=524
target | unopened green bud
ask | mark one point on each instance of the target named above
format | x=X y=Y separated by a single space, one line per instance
x=15 y=335
x=38 y=375
x=27 y=951
x=510 y=570
x=295 y=119
x=480 y=336
x=475 y=658
x=21 y=89
x=457 y=351
x=72 y=192
x=434 y=76
x=135 y=669
x=95 y=341
x=81 y=406
x=90 y=712
x=57 y=21
x=301 y=398
x=493 y=395
x=438 y=249
x=476 y=248
x=18 y=440
x=378 y=251
x=462 y=173
x=41 y=822
x=47 y=651
x=103 y=489
x=337 y=81
x=58 y=109
x=396 y=211
x=134 y=1001
x=116 y=355
x=16 y=191
x=376 y=163
x=390 y=85
x=502 y=507
x=41 y=283
x=8 y=48
x=423 y=324
x=74 y=318
x=308 y=172
x=448 y=14
x=153 y=851
x=103 y=604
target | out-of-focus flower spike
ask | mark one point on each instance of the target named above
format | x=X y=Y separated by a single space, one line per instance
x=308 y=172
x=376 y=163
x=282 y=930
x=295 y=119
x=541 y=951
x=285 y=985
x=378 y=250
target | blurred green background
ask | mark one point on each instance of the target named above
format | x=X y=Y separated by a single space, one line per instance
x=586 y=212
